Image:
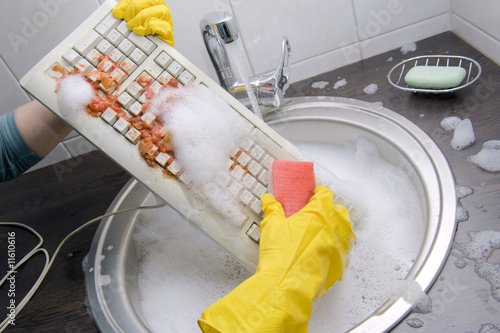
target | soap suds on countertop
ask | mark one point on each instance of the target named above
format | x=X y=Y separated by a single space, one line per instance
x=371 y=89
x=320 y=84
x=489 y=157
x=340 y=83
x=410 y=47
x=463 y=136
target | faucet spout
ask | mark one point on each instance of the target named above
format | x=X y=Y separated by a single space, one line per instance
x=219 y=29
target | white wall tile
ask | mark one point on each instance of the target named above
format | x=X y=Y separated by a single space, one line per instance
x=324 y=63
x=402 y=36
x=31 y=28
x=376 y=17
x=482 y=41
x=313 y=28
x=484 y=14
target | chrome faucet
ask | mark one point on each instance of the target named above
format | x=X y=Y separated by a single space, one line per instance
x=219 y=29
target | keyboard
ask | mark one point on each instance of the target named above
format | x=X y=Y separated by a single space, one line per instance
x=132 y=69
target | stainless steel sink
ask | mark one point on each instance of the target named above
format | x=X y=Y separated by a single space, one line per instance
x=115 y=304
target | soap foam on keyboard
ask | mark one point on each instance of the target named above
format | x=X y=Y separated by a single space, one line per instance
x=74 y=94
x=204 y=130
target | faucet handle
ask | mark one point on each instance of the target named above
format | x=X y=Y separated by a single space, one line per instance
x=271 y=89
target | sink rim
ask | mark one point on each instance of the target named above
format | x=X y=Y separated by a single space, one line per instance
x=133 y=194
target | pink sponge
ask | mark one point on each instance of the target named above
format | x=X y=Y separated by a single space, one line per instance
x=292 y=183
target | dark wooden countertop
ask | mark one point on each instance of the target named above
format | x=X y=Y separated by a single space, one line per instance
x=57 y=199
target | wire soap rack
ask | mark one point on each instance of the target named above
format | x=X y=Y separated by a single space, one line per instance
x=397 y=73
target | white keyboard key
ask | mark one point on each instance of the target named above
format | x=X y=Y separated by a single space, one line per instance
x=243 y=159
x=104 y=47
x=87 y=42
x=153 y=69
x=262 y=177
x=174 y=168
x=137 y=56
x=162 y=159
x=259 y=190
x=126 y=47
x=257 y=152
x=128 y=65
x=256 y=206
x=122 y=126
x=114 y=37
x=164 y=77
x=155 y=88
x=135 y=109
x=266 y=161
x=94 y=57
x=254 y=168
x=144 y=79
x=108 y=23
x=123 y=29
x=175 y=69
x=238 y=172
x=246 y=197
x=72 y=57
x=119 y=75
x=148 y=118
x=185 y=78
x=133 y=135
x=163 y=60
x=117 y=56
x=246 y=144
x=125 y=100
x=249 y=181
x=254 y=232
x=84 y=66
x=106 y=65
x=109 y=116
x=142 y=42
x=135 y=90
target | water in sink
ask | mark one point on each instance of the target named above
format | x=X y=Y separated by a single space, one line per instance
x=183 y=272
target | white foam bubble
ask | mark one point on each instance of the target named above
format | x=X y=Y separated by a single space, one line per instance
x=409 y=47
x=340 y=83
x=489 y=157
x=73 y=96
x=204 y=130
x=320 y=84
x=370 y=89
x=450 y=123
x=463 y=136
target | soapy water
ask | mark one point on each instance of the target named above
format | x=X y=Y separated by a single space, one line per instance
x=183 y=272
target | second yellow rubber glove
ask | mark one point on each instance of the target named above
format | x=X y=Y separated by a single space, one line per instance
x=300 y=258
x=147 y=17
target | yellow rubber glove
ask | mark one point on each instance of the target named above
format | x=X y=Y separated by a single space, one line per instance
x=300 y=258
x=147 y=17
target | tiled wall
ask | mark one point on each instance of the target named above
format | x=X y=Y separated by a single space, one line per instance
x=478 y=23
x=324 y=35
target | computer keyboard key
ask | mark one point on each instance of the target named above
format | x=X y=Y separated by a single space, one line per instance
x=142 y=42
x=133 y=135
x=87 y=42
x=163 y=60
x=126 y=47
x=175 y=69
x=108 y=23
x=72 y=57
x=122 y=126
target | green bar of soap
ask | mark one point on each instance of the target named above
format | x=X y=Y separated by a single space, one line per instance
x=435 y=77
